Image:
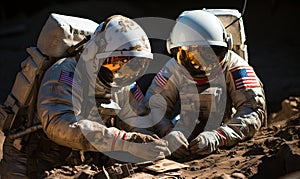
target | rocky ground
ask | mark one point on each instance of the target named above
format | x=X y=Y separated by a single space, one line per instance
x=274 y=152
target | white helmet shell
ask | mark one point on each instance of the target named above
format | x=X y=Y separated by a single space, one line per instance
x=123 y=37
x=197 y=27
x=118 y=36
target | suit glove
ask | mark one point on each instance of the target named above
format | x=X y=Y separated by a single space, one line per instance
x=207 y=142
x=141 y=145
x=178 y=144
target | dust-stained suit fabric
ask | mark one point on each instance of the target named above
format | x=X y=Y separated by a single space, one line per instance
x=73 y=105
x=133 y=116
x=60 y=112
x=59 y=109
x=245 y=110
x=61 y=121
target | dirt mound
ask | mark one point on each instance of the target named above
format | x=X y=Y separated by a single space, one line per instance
x=274 y=152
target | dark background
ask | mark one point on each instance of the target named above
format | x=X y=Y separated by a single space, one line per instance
x=272 y=33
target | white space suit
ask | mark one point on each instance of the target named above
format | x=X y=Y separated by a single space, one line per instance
x=221 y=99
x=248 y=101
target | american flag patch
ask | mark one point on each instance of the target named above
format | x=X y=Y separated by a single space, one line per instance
x=136 y=92
x=67 y=77
x=160 y=79
x=244 y=77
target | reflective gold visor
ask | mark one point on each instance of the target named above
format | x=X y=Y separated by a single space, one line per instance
x=115 y=63
x=126 y=70
x=200 y=61
x=203 y=55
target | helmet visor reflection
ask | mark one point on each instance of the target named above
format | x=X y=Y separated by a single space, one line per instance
x=126 y=70
x=202 y=57
x=200 y=61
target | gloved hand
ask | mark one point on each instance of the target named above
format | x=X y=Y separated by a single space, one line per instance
x=207 y=142
x=178 y=144
x=141 y=138
x=141 y=145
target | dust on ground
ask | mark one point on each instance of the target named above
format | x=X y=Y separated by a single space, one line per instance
x=274 y=152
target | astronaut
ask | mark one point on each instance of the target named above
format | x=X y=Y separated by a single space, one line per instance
x=78 y=100
x=218 y=97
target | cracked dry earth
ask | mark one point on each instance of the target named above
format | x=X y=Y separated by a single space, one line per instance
x=274 y=152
